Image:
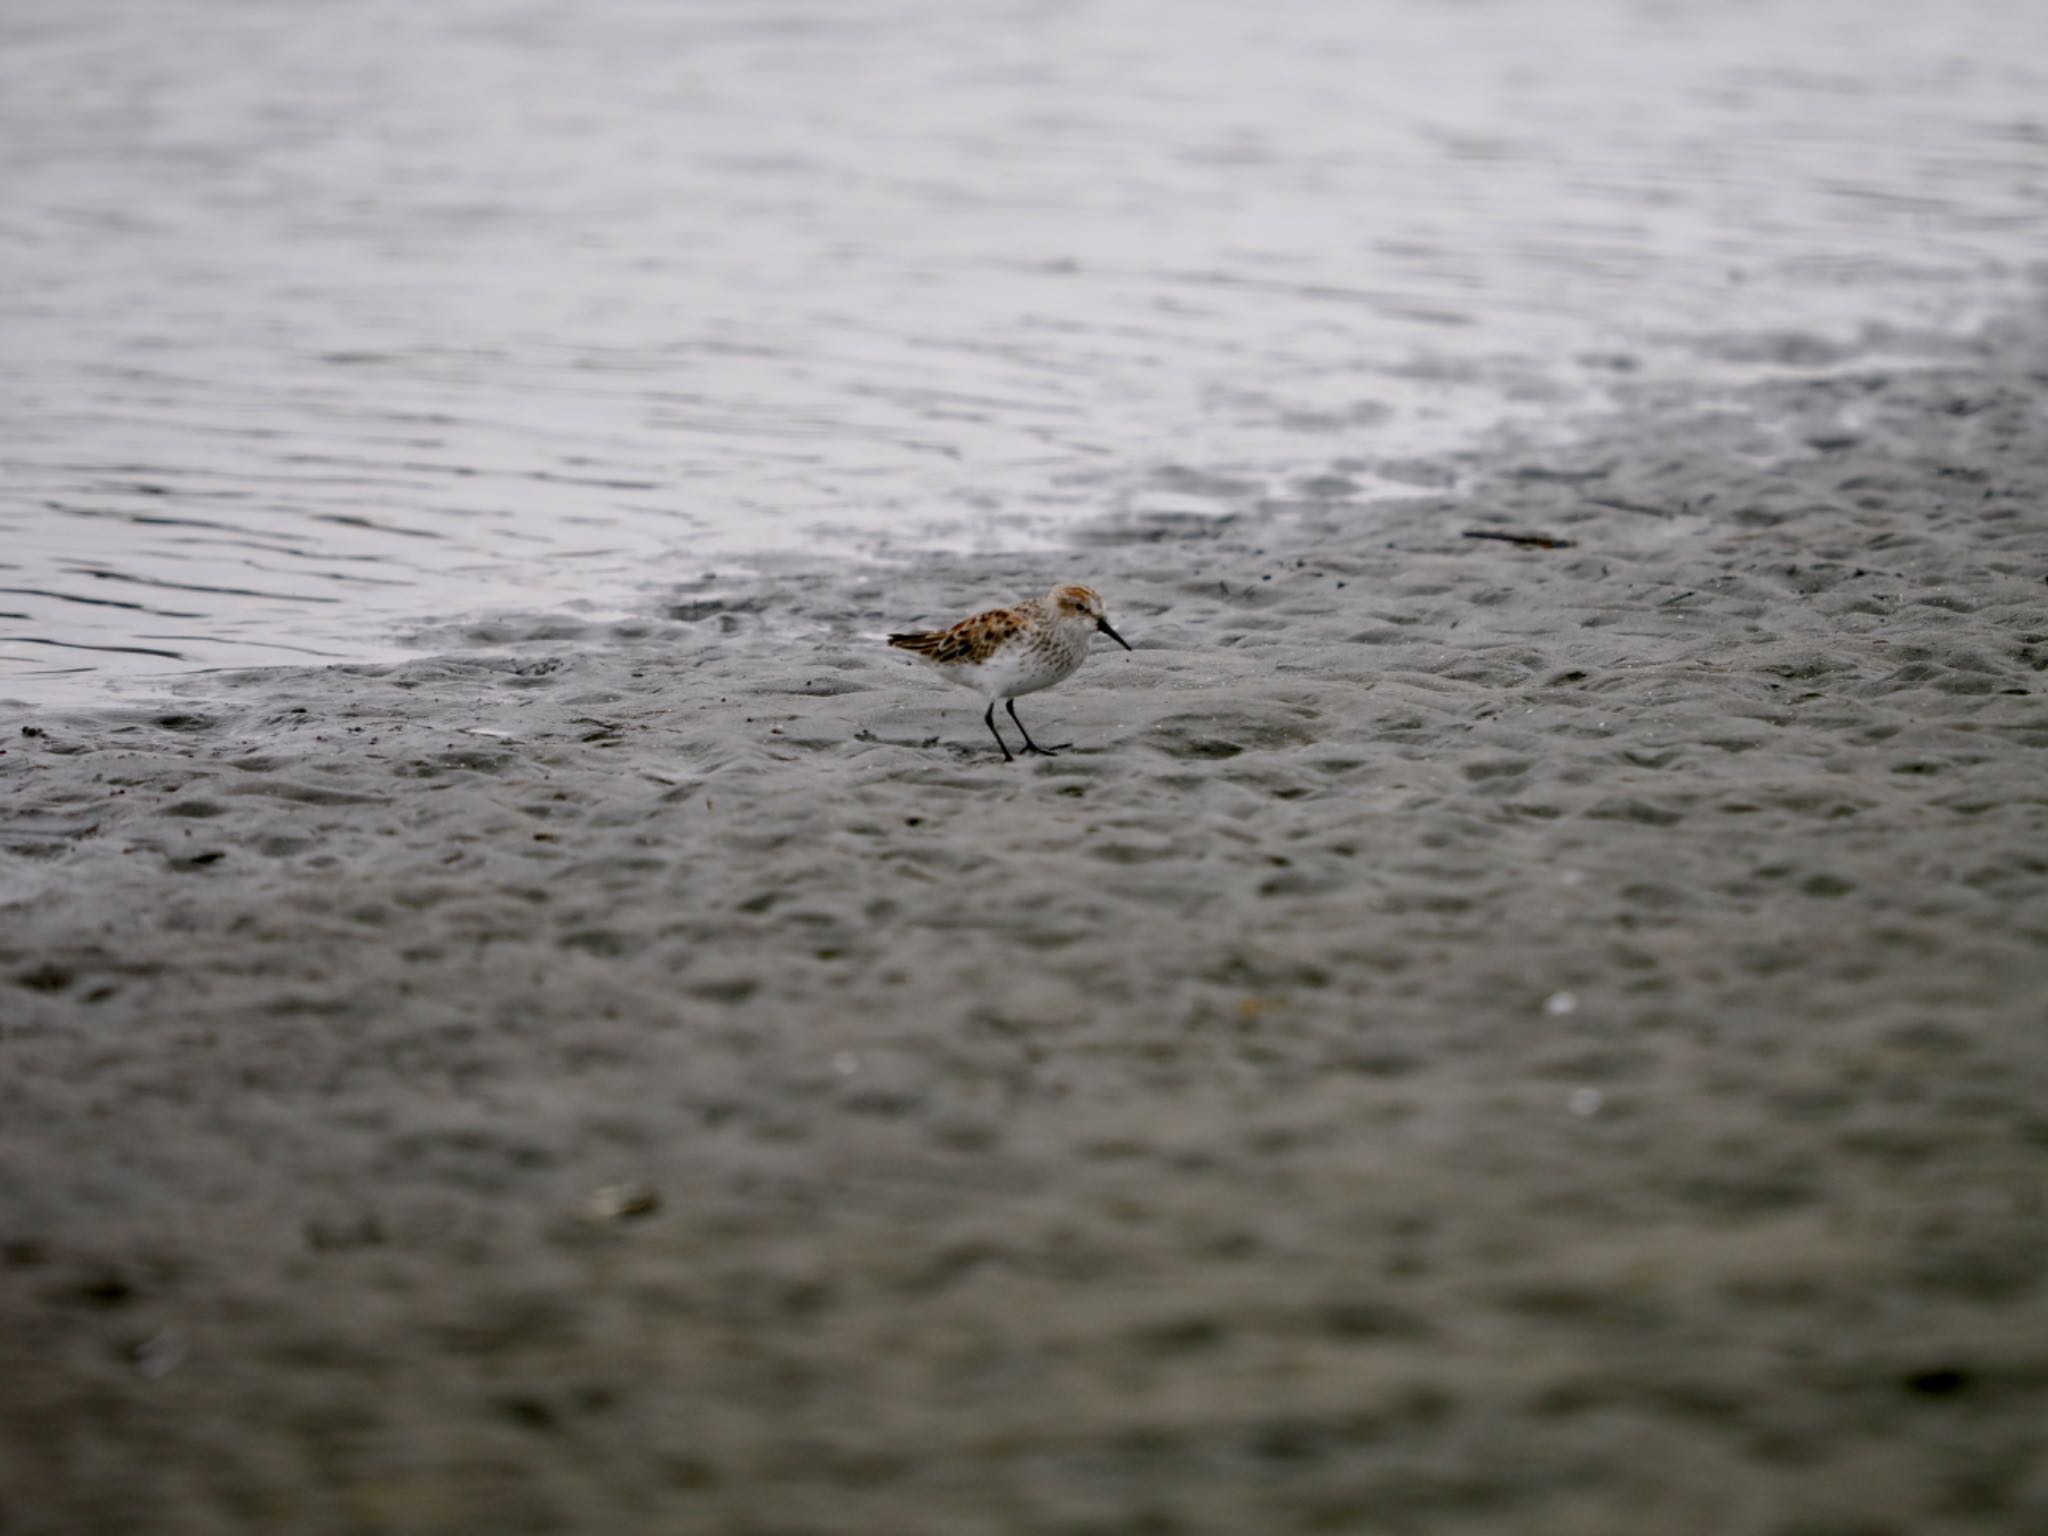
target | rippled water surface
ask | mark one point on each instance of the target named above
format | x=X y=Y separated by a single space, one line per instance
x=325 y=321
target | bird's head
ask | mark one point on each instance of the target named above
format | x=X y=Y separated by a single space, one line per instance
x=1076 y=604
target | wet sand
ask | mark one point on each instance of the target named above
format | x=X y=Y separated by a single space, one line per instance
x=1475 y=1038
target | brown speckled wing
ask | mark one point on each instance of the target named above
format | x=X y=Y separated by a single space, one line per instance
x=971 y=640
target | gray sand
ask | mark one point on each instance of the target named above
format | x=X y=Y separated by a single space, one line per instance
x=1475 y=1038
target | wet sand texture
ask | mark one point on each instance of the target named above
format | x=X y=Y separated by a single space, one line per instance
x=1477 y=1038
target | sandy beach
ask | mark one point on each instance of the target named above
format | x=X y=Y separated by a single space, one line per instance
x=1476 y=1036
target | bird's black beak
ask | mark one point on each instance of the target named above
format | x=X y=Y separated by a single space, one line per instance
x=1103 y=625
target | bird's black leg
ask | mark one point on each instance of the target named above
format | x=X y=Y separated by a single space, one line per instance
x=1029 y=744
x=990 y=717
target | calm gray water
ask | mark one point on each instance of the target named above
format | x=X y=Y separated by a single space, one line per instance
x=320 y=322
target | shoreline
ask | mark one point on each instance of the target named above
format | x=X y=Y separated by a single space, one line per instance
x=1458 y=996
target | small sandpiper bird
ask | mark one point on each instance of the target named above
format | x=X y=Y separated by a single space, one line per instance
x=1006 y=653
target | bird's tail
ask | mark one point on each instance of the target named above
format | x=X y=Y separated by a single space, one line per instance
x=923 y=642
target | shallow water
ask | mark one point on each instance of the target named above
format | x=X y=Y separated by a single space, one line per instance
x=325 y=323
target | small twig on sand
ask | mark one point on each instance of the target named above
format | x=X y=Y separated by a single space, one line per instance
x=1527 y=540
x=1563 y=476
x=1617 y=504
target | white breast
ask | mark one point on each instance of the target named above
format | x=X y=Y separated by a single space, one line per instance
x=1025 y=665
